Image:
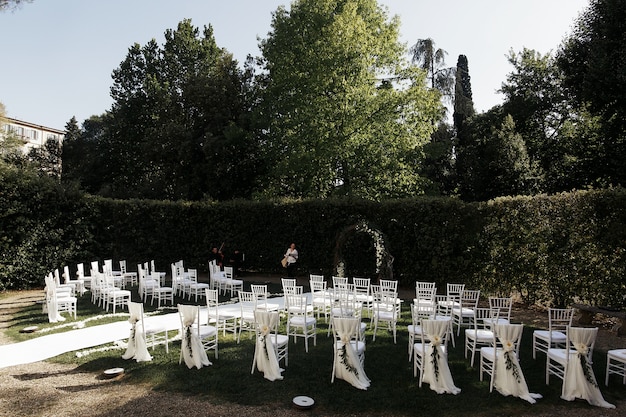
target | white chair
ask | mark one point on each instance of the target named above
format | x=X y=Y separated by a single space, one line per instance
x=247 y=305
x=572 y=364
x=363 y=293
x=80 y=274
x=146 y=283
x=559 y=319
x=501 y=308
x=500 y=361
x=464 y=316
x=386 y=311
x=224 y=321
x=77 y=284
x=56 y=303
x=162 y=294
x=270 y=347
x=481 y=334
x=300 y=320
x=232 y=284
x=349 y=352
x=316 y=277
x=260 y=291
x=116 y=297
x=615 y=364
x=320 y=299
x=430 y=357
x=419 y=311
x=128 y=278
x=153 y=270
x=143 y=336
x=196 y=338
x=424 y=289
x=196 y=289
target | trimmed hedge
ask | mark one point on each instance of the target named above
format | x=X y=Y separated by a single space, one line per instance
x=552 y=249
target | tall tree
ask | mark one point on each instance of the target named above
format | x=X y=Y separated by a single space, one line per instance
x=592 y=59
x=175 y=128
x=433 y=60
x=494 y=162
x=343 y=113
x=463 y=104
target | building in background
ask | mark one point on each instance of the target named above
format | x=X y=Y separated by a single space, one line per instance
x=33 y=135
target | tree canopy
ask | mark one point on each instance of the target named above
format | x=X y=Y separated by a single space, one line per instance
x=342 y=110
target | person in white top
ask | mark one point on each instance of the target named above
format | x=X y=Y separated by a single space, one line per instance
x=292 y=258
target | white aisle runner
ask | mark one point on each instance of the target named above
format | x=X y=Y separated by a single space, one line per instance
x=50 y=345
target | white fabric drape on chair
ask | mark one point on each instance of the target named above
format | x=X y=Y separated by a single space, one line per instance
x=265 y=353
x=137 y=348
x=349 y=367
x=580 y=381
x=436 y=370
x=51 y=306
x=192 y=350
x=509 y=378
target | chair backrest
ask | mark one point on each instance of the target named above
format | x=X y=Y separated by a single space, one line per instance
x=318 y=286
x=559 y=319
x=80 y=270
x=388 y=285
x=340 y=281
x=66 y=274
x=229 y=272
x=421 y=311
x=455 y=290
x=361 y=285
x=189 y=314
x=483 y=318
x=579 y=337
x=260 y=290
x=95 y=266
x=192 y=274
x=136 y=311
x=470 y=298
x=287 y=282
x=316 y=277
x=298 y=305
x=348 y=327
x=436 y=331
x=501 y=306
x=505 y=334
x=247 y=302
x=425 y=290
x=212 y=301
x=123 y=267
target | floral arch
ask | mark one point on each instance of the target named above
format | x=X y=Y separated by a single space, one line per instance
x=384 y=260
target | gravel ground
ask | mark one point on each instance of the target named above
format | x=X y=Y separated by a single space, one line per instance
x=48 y=389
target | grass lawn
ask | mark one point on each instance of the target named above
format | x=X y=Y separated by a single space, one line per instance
x=393 y=390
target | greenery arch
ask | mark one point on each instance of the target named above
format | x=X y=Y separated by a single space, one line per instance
x=384 y=259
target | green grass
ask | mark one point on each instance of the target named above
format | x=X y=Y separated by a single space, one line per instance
x=393 y=390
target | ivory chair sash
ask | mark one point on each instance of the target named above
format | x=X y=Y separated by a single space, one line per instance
x=509 y=378
x=349 y=352
x=265 y=354
x=579 y=380
x=192 y=350
x=137 y=347
x=435 y=360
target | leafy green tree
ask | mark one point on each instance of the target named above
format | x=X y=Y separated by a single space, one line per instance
x=463 y=104
x=494 y=162
x=433 y=60
x=592 y=59
x=341 y=112
x=175 y=130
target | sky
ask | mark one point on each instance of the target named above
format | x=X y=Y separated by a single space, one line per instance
x=58 y=55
